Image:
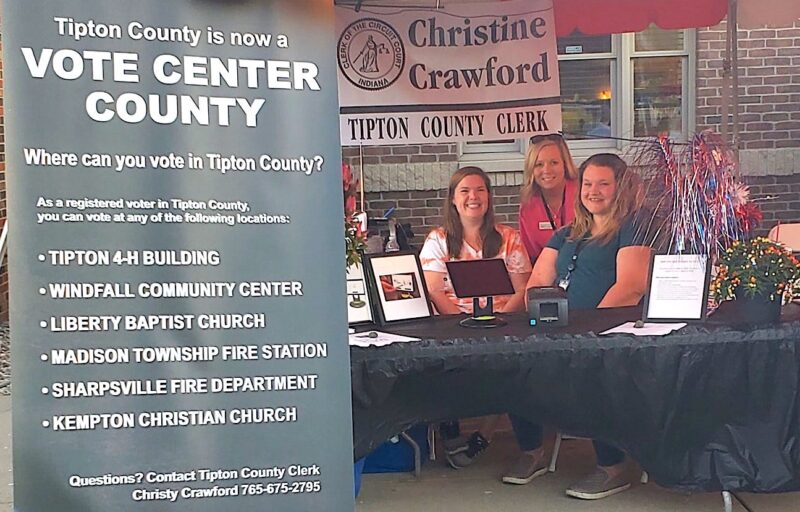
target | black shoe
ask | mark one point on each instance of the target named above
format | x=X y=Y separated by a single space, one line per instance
x=455 y=445
x=476 y=445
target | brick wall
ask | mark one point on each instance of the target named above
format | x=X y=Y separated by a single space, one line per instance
x=784 y=204
x=413 y=180
x=769 y=85
x=769 y=111
x=422 y=209
x=411 y=154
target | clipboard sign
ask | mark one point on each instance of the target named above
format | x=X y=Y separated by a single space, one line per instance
x=677 y=288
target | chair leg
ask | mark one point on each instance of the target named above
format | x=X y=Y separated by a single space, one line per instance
x=431 y=442
x=644 y=478
x=554 y=457
x=417 y=453
x=727 y=502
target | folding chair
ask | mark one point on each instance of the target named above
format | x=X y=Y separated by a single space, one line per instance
x=786 y=234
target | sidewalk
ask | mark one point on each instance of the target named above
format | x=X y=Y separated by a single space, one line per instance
x=6 y=477
x=478 y=489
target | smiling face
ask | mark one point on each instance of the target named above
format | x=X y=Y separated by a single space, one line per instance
x=471 y=197
x=548 y=170
x=598 y=189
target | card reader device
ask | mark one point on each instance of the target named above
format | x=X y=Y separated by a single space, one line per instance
x=547 y=305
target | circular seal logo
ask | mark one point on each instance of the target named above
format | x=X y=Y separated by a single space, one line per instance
x=371 y=54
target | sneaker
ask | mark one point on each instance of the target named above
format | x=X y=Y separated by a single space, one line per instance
x=525 y=469
x=455 y=445
x=476 y=445
x=599 y=484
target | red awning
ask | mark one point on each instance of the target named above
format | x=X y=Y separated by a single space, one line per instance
x=617 y=16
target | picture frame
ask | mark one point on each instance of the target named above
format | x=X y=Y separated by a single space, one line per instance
x=398 y=287
x=359 y=302
x=677 y=288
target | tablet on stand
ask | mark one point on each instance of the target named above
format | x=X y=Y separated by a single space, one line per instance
x=480 y=279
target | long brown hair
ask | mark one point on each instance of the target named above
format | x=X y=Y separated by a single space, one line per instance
x=453 y=228
x=623 y=205
x=529 y=187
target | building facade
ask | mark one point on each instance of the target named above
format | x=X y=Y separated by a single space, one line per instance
x=624 y=86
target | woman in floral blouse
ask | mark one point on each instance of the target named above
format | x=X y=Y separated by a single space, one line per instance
x=470 y=233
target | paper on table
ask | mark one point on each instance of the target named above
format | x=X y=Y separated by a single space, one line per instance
x=649 y=329
x=377 y=339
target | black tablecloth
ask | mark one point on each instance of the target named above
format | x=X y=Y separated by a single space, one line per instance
x=710 y=407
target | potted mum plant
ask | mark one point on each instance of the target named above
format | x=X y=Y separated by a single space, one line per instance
x=760 y=275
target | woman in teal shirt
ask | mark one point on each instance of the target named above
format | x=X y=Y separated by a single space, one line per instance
x=601 y=261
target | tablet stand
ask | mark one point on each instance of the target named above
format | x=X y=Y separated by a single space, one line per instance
x=482 y=317
x=480 y=279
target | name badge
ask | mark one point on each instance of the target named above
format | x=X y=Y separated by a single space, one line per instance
x=545 y=226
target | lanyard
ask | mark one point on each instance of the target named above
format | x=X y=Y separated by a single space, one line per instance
x=550 y=213
x=573 y=263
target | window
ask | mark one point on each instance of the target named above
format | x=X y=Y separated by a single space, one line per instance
x=660 y=83
x=495 y=146
x=624 y=86
x=587 y=69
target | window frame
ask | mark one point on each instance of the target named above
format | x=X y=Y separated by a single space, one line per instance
x=509 y=157
x=689 y=62
x=589 y=146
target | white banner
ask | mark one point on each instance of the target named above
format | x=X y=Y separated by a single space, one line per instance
x=466 y=72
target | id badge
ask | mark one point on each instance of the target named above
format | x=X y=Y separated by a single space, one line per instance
x=545 y=226
x=564 y=284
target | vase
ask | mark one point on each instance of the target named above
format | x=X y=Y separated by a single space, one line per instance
x=757 y=309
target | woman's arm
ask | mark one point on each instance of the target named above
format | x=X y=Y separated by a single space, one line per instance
x=433 y=257
x=517 y=302
x=544 y=271
x=632 y=266
x=526 y=233
x=435 y=284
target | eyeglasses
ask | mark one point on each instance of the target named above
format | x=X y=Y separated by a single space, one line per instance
x=555 y=137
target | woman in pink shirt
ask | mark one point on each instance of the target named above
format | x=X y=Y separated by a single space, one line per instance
x=547 y=198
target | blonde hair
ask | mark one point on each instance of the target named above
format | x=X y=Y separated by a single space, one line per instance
x=529 y=186
x=626 y=198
